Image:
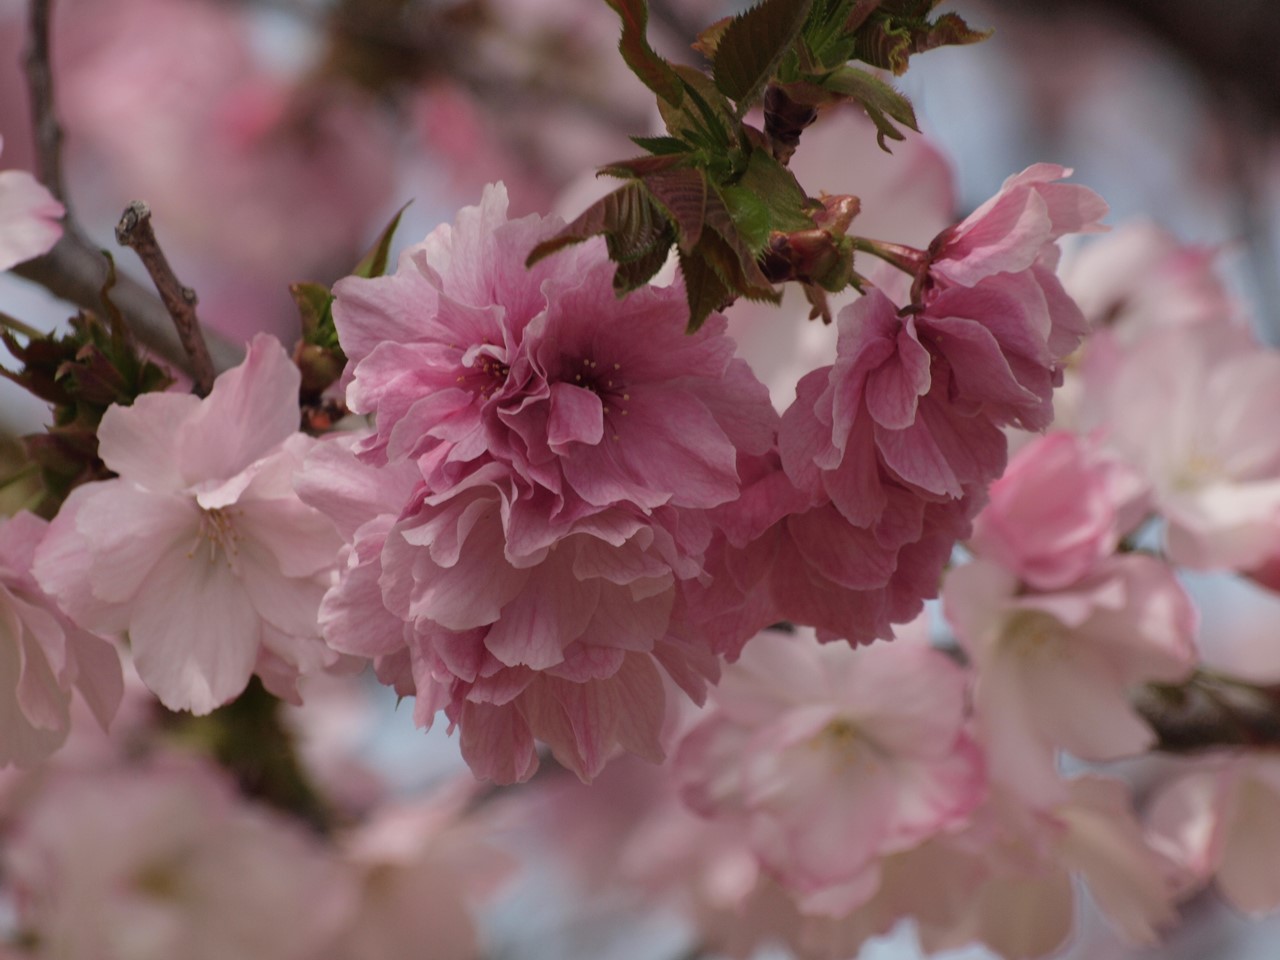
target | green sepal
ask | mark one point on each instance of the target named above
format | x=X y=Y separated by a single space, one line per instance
x=374 y=263
x=315 y=312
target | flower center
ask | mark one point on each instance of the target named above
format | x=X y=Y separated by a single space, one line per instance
x=216 y=537
x=1030 y=634
x=844 y=743
x=606 y=383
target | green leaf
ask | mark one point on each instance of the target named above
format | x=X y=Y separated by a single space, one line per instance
x=374 y=263
x=881 y=101
x=682 y=192
x=704 y=117
x=653 y=71
x=753 y=44
x=663 y=146
x=740 y=269
x=788 y=205
x=634 y=226
x=636 y=273
x=704 y=289
x=750 y=214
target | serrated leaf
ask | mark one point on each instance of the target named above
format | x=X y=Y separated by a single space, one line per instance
x=744 y=273
x=750 y=215
x=663 y=146
x=788 y=205
x=636 y=273
x=682 y=193
x=639 y=167
x=704 y=290
x=653 y=71
x=636 y=230
x=709 y=38
x=753 y=44
x=827 y=36
x=882 y=103
x=948 y=30
x=374 y=263
x=705 y=118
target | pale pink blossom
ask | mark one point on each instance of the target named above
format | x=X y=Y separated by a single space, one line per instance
x=1221 y=821
x=834 y=758
x=421 y=870
x=1189 y=409
x=166 y=861
x=201 y=550
x=43 y=655
x=29 y=217
x=1140 y=277
x=1058 y=510
x=1021 y=902
x=1055 y=669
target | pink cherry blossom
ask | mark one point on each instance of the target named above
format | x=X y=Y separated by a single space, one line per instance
x=1140 y=277
x=903 y=433
x=421 y=870
x=834 y=758
x=1021 y=900
x=201 y=550
x=1057 y=511
x=550 y=453
x=1188 y=408
x=1054 y=670
x=44 y=655
x=1219 y=820
x=1017 y=229
x=155 y=862
x=29 y=216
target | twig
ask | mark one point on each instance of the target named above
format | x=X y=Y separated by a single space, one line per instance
x=134 y=231
x=75 y=270
x=48 y=132
x=1211 y=711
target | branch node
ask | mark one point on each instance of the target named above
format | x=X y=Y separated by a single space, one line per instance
x=135 y=232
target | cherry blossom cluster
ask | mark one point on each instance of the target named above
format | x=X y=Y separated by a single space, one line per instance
x=578 y=532
x=829 y=792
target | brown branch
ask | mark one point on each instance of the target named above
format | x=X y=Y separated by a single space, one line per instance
x=1211 y=711
x=134 y=231
x=48 y=132
x=75 y=270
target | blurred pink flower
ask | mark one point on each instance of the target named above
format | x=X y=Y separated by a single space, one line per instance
x=166 y=861
x=200 y=549
x=29 y=217
x=833 y=759
x=43 y=655
x=1140 y=277
x=420 y=870
x=1054 y=670
x=1190 y=409
x=1221 y=820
